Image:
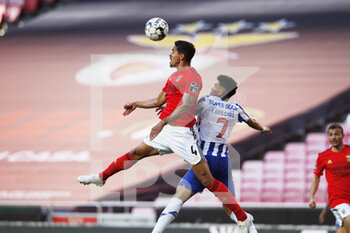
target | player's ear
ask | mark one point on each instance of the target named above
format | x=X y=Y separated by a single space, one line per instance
x=182 y=56
x=221 y=91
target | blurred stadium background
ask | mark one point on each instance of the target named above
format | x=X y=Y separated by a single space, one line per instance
x=68 y=66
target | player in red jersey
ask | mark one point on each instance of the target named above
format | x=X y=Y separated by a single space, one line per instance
x=336 y=162
x=174 y=132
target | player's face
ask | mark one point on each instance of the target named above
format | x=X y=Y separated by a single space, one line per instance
x=216 y=90
x=335 y=137
x=174 y=57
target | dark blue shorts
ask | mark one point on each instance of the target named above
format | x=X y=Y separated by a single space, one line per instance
x=220 y=168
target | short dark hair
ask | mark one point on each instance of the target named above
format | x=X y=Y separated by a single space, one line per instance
x=335 y=126
x=229 y=84
x=186 y=48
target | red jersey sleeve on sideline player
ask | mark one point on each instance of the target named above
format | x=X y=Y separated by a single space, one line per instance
x=180 y=82
x=320 y=166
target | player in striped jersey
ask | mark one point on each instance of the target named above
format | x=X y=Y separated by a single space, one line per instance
x=216 y=119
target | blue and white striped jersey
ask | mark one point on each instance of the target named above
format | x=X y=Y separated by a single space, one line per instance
x=215 y=123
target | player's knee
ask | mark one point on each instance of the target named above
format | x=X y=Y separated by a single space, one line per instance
x=205 y=181
x=205 y=178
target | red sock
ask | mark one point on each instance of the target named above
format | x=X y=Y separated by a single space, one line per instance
x=227 y=199
x=122 y=163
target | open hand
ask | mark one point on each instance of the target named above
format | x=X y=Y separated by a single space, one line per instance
x=129 y=108
x=159 y=110
x=266 y=130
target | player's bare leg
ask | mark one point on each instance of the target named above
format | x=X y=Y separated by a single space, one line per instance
x=347 y=223
x=183 y=193
x=143 y=151
x=120 y=164
x=341 y=230
x=203 y=174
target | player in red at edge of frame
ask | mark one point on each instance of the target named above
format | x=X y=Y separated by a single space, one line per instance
x=174 y=133
x=336 y=162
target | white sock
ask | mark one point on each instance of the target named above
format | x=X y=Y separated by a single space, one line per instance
x=233 y=217
x=168 y=215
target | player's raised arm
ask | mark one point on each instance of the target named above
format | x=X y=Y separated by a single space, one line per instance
x=151 y=103
x=188 y=101
x=256 y=125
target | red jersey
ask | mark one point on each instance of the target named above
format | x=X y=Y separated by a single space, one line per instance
x=180 y=82
x=337 y=165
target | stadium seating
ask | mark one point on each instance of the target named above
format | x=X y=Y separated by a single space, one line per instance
x=272 y=191
x=14 y=10
x=285 y=176
x=2 y=10
x=294 y=191
x=11 y=11
x=282 y=176
x=294 y=166
x=251 y=191
x=274 y=156
x=30 y=6
x=49 y=2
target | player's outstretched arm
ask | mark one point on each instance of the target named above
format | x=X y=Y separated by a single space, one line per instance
x=314 y=187
x=151 y=103
x=187 y=103
x=256 y=125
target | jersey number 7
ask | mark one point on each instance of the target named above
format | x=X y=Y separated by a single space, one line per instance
x=224 y=128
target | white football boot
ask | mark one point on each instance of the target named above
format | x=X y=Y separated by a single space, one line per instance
x=91 y=179
x=246 y=226
x=252 y=229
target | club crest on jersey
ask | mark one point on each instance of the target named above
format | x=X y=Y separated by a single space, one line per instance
x=348 y=158
x=329 y=162
x=178 y=78
x=194 y=88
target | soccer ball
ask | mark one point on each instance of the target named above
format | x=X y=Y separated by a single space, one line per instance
x=156 y=29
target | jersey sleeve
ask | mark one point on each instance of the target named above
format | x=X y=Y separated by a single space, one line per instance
x=319 y=167
x=242 y=115
x=202 y=105
x=201 y=102
x=165 y=87
x=192 y=87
